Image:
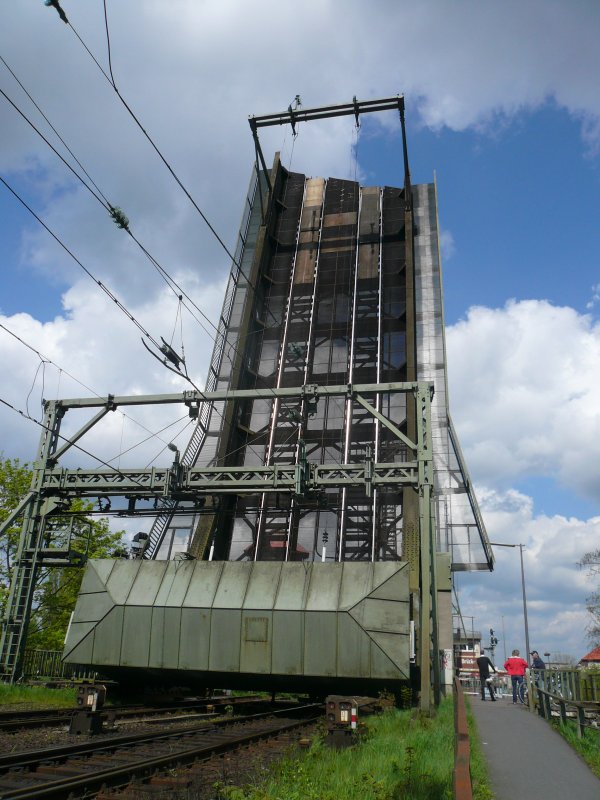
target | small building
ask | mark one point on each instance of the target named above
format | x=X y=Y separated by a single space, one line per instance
x=592 y=659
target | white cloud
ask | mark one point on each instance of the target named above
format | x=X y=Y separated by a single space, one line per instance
x=524 y=382
x=193 y=71
x=98 y=345
x=524 y=387
x=556 y=587
x=447 y=245
x=595 y=297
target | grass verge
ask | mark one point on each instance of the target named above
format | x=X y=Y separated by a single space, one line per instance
x=588 y=747
x=402 y=756
x=30 y=697
x=480 y=780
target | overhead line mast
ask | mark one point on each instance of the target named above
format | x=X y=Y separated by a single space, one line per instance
x=293 y=116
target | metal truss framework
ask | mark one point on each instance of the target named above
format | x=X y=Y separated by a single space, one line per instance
x=54 y=487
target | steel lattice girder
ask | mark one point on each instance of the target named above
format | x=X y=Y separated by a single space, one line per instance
x=188 y=482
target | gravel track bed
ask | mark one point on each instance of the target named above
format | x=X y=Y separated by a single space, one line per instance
x=37 y=738
x=247 y=766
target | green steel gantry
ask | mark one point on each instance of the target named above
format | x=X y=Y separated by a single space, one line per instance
x=54 y=487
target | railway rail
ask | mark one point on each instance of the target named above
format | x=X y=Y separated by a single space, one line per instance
x=18 y=720
x=83 y=769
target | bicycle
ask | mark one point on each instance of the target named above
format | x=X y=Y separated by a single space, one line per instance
x=523 y=692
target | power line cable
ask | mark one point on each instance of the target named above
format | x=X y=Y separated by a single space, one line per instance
x=112 y=82
x=105 y=203
x=57 y=134
x=155 y=436
x=109 y=293
x=66 y=439
x=103 y=200
x=48 y=360
x=103 y=286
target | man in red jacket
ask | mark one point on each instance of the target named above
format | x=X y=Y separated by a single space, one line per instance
x=515 y=666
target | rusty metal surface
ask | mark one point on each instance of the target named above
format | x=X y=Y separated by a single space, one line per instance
x=461 y=777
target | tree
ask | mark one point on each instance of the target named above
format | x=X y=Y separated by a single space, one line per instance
x=15 y=480
x=591 y=560
x=56 y=588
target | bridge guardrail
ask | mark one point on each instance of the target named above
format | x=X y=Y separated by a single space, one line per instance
x=49 y=664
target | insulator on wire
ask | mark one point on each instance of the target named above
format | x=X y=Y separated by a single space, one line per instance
x=55 y=4
x=119 y=217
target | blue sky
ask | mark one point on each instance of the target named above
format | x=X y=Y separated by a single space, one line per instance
x=501 y=102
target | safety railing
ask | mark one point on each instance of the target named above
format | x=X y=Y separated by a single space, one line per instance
x=547 y=699
x=49 y=664
x=461 y=776
x=560 y=692
x=569 y=684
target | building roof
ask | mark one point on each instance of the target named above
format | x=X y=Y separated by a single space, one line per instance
x=593 y=655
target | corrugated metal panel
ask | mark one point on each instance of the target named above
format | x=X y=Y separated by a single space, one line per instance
x=318 y=620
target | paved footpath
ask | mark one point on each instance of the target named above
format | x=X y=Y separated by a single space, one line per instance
x=527 y=758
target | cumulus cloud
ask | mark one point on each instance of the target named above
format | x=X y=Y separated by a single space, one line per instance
x=524 y=383
x=96 y=344
x=556 y=587
x=193 y=71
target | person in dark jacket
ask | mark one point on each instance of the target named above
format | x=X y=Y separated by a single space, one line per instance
x=536 y=661
x=484 y=664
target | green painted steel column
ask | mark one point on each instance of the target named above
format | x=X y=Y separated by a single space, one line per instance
x=26 y=565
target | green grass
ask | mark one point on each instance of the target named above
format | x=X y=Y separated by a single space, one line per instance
x=479 y=770
x=30 y=697
x=588 y=747
x=402 y=756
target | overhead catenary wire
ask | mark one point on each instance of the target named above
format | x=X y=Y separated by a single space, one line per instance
x=103 y=286
x=100 y=197
x=56 y=133
x=48 y=360
x=111 y=80
x=115 y=213
x=42 y=364
x=66 y=439
x=169 y=280
x=152 y=434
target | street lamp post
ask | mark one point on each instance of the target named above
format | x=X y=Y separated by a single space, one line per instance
x=547 y=657
x=520 y=546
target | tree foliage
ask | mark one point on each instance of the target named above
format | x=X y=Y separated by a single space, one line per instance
x=591 y=561
x=56 y=588
x=15 y=480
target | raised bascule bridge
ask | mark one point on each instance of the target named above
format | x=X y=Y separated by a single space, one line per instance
x=306 y=537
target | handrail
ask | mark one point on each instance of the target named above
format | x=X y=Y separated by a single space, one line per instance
x=545 y=708
x=461 y=776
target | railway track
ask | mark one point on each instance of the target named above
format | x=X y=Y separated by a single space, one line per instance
x=11 y=721
x=82 y=770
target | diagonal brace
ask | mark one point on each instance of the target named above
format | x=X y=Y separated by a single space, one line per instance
x=110 y=406
x=385 y=421
x=17 y=511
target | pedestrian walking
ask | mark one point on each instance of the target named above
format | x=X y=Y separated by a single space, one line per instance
x=515 y=666
x=484 y=664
